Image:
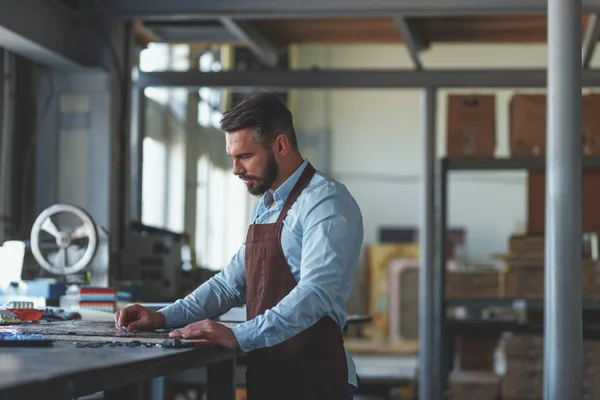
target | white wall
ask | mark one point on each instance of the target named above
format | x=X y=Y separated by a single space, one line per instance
x=376 y=147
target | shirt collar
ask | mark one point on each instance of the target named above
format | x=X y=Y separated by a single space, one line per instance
x=282 y=193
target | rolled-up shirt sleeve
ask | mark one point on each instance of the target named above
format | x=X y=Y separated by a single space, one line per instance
x=214 y=297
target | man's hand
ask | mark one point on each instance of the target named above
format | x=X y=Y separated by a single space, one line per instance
x=138 y=318
x=207 y=329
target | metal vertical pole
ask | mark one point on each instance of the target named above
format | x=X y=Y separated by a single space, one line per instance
x=442 y=341
x=428 y=380
x=6 y=140
x=2 y=133
x=563 y=305
x=138 y=131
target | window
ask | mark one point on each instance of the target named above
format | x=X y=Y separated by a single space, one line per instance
x=209 y=103
x=166 y=57
x=163 y=165
x=222 y=203
x=154 y=183
x=222 y=215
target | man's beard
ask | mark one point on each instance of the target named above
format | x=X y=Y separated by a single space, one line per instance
x=264 y=183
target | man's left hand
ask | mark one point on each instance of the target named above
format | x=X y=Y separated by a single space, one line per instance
x=207 y=329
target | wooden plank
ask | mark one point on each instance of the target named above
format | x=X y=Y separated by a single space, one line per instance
x=470 y=29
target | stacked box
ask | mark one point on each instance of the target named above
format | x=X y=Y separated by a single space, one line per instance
x=528 y=125
x=524 y=371
x=525 y=278
x=475 y=351
x=473 y=284
x=591 y=363
x=525 y=282
x=471 y=126
x=471 y=385
x=591 y=282
x=524 y=374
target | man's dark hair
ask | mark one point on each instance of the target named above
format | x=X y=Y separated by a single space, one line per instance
x=265 y=114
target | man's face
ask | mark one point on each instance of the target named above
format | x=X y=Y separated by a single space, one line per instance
x=252 y=163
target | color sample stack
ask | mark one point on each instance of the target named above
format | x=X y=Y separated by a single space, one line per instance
x=95 y=298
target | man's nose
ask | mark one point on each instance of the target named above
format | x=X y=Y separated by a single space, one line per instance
x=237 y=168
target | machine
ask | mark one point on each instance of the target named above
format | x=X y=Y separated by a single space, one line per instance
x=153 y=261
x=66 y=248
x=69 y=247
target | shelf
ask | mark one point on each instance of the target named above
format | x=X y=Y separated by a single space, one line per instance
x=508 y=164
x=590 y=331
x=515 y=303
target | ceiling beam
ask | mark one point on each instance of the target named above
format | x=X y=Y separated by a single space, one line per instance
x=590 y=40
x=45 y=33
x=355 y=79
x=258 y=44
x=265 y=9
x=412 y=39
x=204 y=32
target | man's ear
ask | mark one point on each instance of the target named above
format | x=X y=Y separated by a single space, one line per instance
x=281 y=145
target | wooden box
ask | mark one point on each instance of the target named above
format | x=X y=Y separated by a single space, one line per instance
x=475 y=351
x=591 y=282
x=484 y=284
x=526 y=244
x=523 y=345
x=524 y=283
x=590 y=112
x=523 y=386
x=470 y=385
x=528 y=125
x=471 y=126
x=536 y=202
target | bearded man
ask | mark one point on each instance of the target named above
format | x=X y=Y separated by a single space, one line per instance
x=294 y=271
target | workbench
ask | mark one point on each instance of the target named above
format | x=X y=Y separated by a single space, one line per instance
x=65 y=371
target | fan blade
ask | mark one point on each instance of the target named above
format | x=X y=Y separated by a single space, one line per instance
x=49 y=227
x=61 y=258
x=79 y=233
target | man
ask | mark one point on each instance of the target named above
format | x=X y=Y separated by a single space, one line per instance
x=294 y=272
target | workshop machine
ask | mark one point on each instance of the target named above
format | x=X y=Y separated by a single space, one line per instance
x=153 y=261
x=67 y=248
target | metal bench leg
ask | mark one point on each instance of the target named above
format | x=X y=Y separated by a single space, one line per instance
x=220 y=380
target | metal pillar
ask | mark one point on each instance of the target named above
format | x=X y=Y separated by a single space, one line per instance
x=6 y=140
x=563 y=319
x=2 y=133
x=138 y=131
x=429 y=382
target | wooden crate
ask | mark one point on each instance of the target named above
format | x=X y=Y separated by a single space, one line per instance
x=471 y=126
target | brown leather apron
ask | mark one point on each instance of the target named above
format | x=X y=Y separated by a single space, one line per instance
x=311 y=365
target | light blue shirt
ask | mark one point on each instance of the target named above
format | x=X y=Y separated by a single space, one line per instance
x=321 y=239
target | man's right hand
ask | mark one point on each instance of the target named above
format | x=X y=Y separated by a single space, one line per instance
x=138 y=318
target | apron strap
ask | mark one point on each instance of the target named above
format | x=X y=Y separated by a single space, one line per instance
x=304 y=180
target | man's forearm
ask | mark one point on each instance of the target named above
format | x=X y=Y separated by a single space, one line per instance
x=211 y=299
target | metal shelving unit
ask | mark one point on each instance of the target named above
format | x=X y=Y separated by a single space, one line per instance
x=590 y=331
x=446 y=329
